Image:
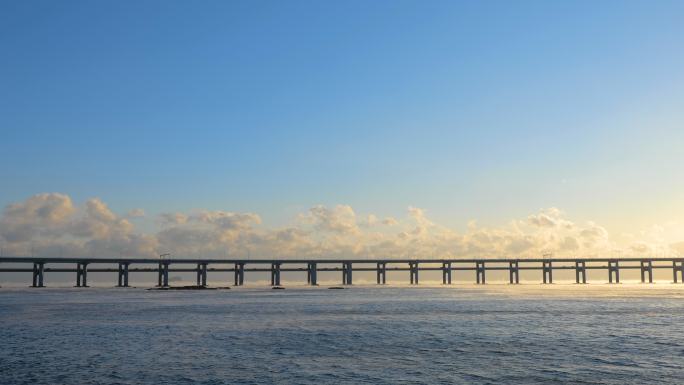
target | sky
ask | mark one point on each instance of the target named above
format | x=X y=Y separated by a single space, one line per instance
x=355 y=128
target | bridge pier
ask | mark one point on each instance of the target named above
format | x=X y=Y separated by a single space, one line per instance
x=513 y=272
x=413 y=272
x=679 y=269
x=446 y=273
x=347 y=273
x=81 y=274
x=164 y=274
x=160 y=275
x=275 y=274
x=123 y=274
x=38 y=268
x=480 y=272
x=381 y=273
x=312 y=274
x=239 y=274
x=202 y=274
x=613 y=270
x=646 y=266
x=580 y=272
x=547 y=271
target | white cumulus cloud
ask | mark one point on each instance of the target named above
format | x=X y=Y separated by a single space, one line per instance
x=51 y=224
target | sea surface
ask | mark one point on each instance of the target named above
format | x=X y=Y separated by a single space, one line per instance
x=496 y=334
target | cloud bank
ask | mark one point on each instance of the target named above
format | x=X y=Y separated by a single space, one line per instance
x=51 y=225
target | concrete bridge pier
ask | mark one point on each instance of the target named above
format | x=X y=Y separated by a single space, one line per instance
x=480 y=272
x=165 y=274
x=547 y=271
x=202 y=274
x=381 y=273
x=613 y=270
x=275 y=274
x=346 y=273
x=413 y=272
x=513 y=272
x=646 y=267
x=580 y=272
x=239 y=274
x=312 y=274
x=160 y=275
x=81 y=274
x=678 y=269
x=38 y=268
x=123 y=275
x=446 y=273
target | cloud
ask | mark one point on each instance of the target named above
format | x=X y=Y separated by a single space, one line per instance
x=227 y=220
x=549 y=218
x=173 y=218
x=678 y=247
x=49 y=224
x=339 y=219
x=569 y=244
x=39 y=215
x=136 y=213
x=593 y=235
x=389 y=221
x=52 y=225
x=641 y=247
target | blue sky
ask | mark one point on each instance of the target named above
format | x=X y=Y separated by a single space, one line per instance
x=481 y=110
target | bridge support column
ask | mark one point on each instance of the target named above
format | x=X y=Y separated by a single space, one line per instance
x=165 y=274
x=580 y=272
x=646 y=267
x=347 y=273
x=381 y=273
x=678 y=269
x=513 y=272
x=78 y=274
x=123 y=274
x=312 y=274
x=480 y=272
x=413 y=271
x=547 y=270
x=81 y=274
x=275 y=274
x=38 y=268
x=239 y=274
x=613 y=270
x=446 y=273
x=160 y=275
x=202 y=274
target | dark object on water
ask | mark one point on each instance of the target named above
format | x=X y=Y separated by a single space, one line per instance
x=223 y=288
x=192 y=287
x=278 y=288
x=336 y=288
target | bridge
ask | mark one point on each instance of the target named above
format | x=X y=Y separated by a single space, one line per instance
x=346 y=267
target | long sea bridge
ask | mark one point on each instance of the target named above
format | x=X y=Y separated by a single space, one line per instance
x=346 y=267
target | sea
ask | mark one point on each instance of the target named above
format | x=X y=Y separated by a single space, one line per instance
x=461 y=334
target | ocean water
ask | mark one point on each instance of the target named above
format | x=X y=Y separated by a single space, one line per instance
x=375 y=335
